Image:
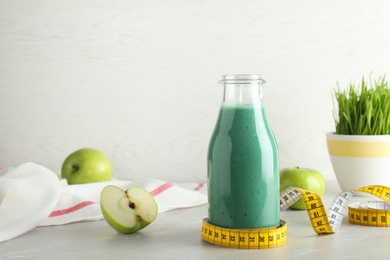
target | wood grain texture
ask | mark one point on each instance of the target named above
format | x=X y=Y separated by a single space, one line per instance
x=138 y=79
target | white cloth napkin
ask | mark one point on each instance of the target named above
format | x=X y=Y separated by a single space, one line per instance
x=32 y=195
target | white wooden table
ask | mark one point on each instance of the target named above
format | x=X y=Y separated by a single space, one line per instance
x=176 y=235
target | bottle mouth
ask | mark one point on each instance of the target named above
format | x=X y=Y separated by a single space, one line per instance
x=241 y=79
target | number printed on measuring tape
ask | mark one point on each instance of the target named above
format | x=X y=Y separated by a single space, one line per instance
x=371 y=213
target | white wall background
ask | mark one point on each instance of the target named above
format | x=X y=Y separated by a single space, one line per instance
x=138 y=79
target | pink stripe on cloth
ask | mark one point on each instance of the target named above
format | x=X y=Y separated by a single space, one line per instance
x=160 y=189
x=199 y=186
x=81 y=205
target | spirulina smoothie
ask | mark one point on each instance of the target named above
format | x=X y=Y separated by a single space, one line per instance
x=243 y=172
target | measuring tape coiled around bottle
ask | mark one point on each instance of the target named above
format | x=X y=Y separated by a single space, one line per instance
x=245 y=238
x=371 y=213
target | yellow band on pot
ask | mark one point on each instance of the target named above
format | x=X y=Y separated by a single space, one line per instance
x=358 y=149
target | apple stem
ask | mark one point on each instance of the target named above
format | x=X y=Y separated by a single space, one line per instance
x=75 y=167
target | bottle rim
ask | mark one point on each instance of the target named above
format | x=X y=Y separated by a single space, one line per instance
x=241 y=79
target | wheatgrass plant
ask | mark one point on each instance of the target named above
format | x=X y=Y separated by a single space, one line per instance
x=363 y=110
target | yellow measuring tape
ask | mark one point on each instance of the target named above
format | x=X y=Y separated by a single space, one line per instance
x=372 y=213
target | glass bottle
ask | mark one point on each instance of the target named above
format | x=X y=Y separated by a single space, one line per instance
x=243 y=160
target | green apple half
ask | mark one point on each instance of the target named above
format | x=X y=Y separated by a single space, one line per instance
x=128 y=211
x=86 y=165
x=304 y=178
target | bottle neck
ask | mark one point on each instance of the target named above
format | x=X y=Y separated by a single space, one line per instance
x=242 y=94
x=242 y=89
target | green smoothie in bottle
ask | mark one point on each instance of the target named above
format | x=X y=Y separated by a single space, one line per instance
x=243 y=171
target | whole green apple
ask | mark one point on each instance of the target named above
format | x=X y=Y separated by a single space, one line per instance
x=304 y=178
x=128 y=211
x=85 y=166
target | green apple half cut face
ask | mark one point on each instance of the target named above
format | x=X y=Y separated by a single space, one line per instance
x=128 y=211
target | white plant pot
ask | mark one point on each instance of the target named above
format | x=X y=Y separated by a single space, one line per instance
x=360 y=160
